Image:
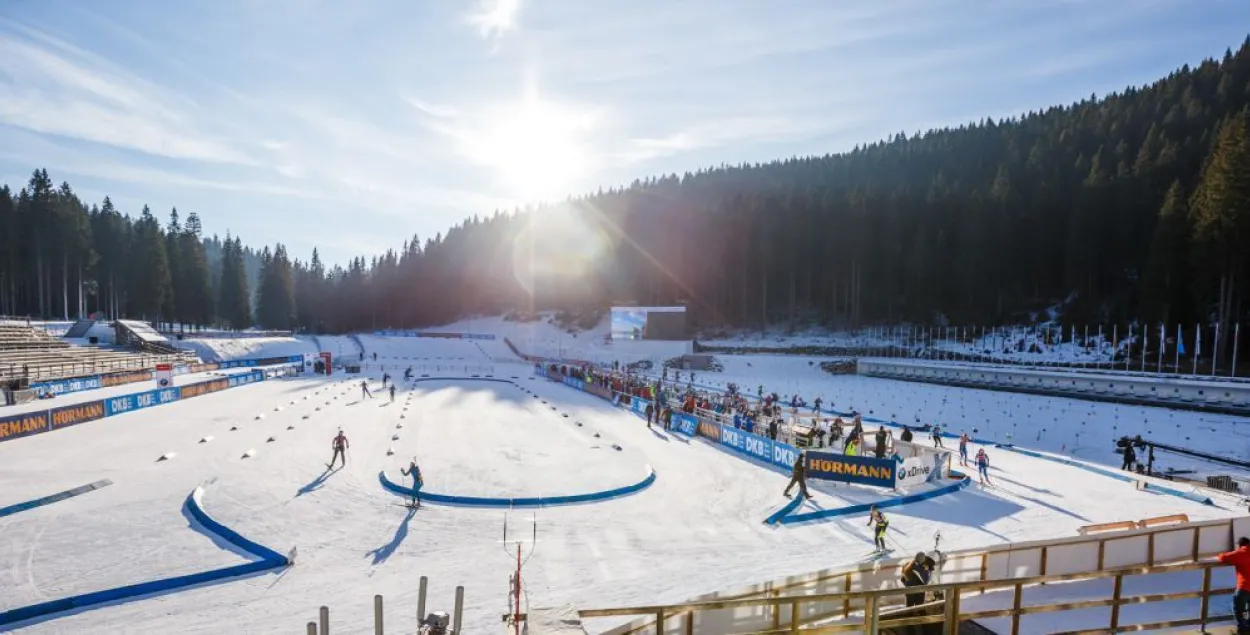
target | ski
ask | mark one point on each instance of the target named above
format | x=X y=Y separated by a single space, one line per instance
x=409 y=505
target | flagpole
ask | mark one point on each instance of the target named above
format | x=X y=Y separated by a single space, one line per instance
x=1163 y=341
x=1193 y=369
x=1115 y=342
x=1236 y=336
x=1176 y=362
x=1145 y=341
x=1215 y=354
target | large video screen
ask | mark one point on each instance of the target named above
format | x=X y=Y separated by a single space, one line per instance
x=649 y=323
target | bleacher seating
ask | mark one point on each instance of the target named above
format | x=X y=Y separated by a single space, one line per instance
x=29 y=352
x=142 y=336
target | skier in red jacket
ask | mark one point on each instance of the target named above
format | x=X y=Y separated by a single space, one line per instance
x=1240 y=560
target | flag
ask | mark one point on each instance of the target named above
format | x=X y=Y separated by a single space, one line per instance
x=1180 y=340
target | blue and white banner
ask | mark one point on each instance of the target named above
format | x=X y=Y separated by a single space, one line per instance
x=65 y=386
x=686 y=424
x=130 y=403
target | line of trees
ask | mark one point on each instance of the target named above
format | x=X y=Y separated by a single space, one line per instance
x=1130 y=208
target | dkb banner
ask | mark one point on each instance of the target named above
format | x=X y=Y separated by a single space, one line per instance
x=851 y=469
x=686 y=424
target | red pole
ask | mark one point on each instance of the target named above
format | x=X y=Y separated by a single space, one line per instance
x=516 y=622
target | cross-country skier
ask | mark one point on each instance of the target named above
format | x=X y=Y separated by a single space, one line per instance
x=364 y=390
x=392 y=393
x=879 y=523
x=340 y=446
x=983 y=467
x=798 y=476
x=408 y=374
x=385 y=378
x=417 y=481
x=816 y=405
x=963 y=449
x=937 y=436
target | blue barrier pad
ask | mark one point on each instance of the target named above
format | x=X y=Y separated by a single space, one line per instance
x=964 y=481
x=784 y=511
x=270 y=559
x=59 y=496
x=534 y=501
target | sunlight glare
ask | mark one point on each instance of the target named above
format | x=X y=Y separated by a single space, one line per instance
x=537 y=148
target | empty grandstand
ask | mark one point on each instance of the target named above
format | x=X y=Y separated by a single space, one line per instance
x=31 y=354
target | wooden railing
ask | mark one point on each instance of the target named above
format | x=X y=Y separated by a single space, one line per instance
x=870 y=612
x=840 y=593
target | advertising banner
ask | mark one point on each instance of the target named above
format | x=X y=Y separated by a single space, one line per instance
x=913 y=471
x=65 y=386
x=851 y=469
x=129 y=403
x=709 y=430
x=164 y=375
x=17 y=426
x=684 y=423
x=120 y=379
x=599 y=391
x=66 y=416
x=202 y=388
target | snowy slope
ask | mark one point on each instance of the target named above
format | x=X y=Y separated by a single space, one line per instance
x=220 y=349
x=543 y=338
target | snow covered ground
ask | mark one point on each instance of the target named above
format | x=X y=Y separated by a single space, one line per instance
x=698 y=528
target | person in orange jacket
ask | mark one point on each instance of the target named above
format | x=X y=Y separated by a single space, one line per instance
x=1240 y=560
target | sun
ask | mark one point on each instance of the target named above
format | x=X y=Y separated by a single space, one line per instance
x=539 y=148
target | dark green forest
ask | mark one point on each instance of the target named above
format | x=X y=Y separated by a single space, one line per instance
x=1133 y=207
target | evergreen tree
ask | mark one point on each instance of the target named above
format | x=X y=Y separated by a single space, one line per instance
x=173 y=308
x=196 y=290
x=234 y=303
x=276 y=308
x=150 y=284
x=1220 y=209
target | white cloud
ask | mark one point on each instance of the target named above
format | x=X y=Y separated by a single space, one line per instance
x=51 y=87
x=494 y=17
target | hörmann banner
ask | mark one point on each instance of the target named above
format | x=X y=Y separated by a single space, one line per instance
x=66 y=416
x=16 y=426
x=851 y=469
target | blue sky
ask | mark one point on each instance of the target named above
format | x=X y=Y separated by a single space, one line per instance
x=351 y=125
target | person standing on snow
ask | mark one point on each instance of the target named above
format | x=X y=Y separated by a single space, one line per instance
x=340 y=446
x=963 y=449
x=385 y=378
x=417 y=481
x=798 y=476
x=364 y=390
x=937 y=436
x=882 y=436
x=983 y=467
x=1130 y=457
x=392 y=393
